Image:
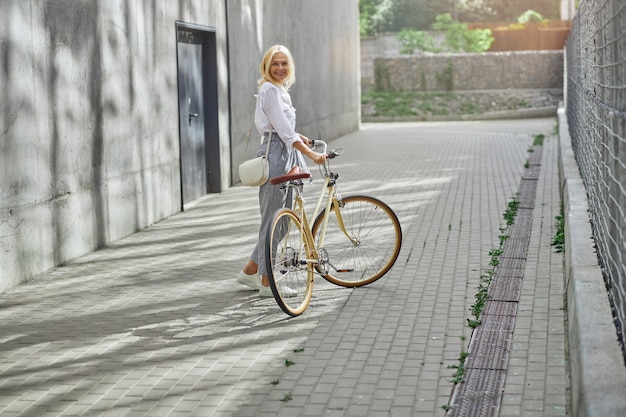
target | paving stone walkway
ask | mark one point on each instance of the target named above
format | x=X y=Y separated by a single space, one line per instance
x=155 y=324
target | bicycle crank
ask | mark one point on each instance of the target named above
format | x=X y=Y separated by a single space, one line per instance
x=323 y=260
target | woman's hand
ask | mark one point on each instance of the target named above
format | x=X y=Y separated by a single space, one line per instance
x=304 y=147
x=318 y=158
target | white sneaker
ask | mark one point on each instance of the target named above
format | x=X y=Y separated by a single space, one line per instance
x=252 y=281
x=265 y=292
x=285 y=292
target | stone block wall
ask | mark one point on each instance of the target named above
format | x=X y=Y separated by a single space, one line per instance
x=470 y=71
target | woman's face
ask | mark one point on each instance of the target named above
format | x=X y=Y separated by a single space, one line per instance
x=279 y=67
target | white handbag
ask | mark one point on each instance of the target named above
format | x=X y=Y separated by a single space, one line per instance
x=256 y=171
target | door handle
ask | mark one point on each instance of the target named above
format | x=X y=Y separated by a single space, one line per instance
x=191 y=115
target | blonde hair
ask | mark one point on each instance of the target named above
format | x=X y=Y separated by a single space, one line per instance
x=266 y=64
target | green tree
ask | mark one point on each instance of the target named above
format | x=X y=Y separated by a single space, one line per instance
x=417 y=14
x=510 y=10
x=474 y=11
x=378 y=16
x=375 y=16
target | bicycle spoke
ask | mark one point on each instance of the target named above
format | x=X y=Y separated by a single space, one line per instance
x=372 y=243
x=291 y=277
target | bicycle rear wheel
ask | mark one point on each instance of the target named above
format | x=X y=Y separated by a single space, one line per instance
x=367 y=246
x=286 y=252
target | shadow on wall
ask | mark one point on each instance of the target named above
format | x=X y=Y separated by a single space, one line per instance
x=82 y=35
x=89 y=150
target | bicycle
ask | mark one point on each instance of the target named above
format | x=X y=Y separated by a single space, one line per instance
x=354 y=240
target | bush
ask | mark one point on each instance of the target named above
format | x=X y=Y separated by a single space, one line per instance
x=410 y=40
x=530 y=16
x=458 y=38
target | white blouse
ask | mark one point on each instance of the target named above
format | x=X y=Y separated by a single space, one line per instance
x=274 y=109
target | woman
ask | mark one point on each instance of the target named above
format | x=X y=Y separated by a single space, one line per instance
x=275 y=118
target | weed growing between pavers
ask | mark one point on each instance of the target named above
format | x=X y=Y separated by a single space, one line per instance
x=288 y=362
x=511 y=212
x=460 y=368
x=559 y=237
x=482 y=294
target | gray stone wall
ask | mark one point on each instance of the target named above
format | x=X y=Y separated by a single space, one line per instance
x=89 y=142
x=381 y=46
x=470 y=71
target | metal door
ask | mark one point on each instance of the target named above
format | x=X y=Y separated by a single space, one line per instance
x=191 y=121
x=198 y=112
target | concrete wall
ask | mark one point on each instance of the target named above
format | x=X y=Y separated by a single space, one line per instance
x=323 y=37
x=89 y=144
x=471 y=71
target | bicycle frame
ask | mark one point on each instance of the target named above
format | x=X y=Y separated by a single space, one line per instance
x=328 y=191
x=299 y=209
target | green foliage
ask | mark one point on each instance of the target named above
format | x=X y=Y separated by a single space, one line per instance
x=482 y=295
x=382 y=77
x=458 y=38
x=412 y=103
x=510 y=10
x=457 y=378
x=530 y=16
x=454 y=30
x=445 y=78
x=389 y=103
x=415 y=14
x=410 y=40
x=559 y=237
x=478 y=40
x=375 y=16
x=511 y=212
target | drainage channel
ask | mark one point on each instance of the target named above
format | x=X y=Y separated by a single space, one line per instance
x=485 y=368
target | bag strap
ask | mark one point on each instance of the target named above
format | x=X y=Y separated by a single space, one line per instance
x=269 y=139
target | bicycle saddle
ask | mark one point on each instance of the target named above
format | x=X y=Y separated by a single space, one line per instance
x=293 y=174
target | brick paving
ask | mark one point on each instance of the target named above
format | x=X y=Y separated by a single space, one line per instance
x=155 y=324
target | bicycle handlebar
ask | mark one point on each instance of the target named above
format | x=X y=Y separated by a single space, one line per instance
x=330 y=154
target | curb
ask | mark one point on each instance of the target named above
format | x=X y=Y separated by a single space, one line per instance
x=597 y=369
x=529 y=113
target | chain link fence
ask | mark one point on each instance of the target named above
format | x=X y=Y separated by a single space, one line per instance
x=596 y=112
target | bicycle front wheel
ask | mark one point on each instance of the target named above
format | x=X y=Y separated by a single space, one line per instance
x=287 y=256
x=362 y=241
